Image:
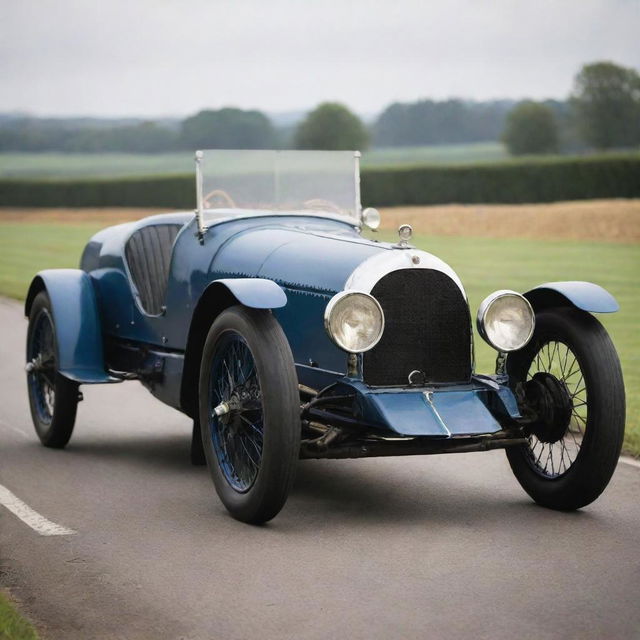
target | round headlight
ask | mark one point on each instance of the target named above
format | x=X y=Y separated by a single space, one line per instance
x=354 y=321
x=506 y=320
x=371 y=217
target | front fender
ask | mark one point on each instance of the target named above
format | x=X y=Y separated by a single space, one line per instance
x=582 y=295
x=76 y=321
x=257 y=293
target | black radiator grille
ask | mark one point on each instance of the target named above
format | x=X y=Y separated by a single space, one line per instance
x=427 y=328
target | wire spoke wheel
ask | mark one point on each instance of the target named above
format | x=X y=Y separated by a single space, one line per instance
x=571 y=387
x=555 y=458
x=41 y=356
x=237 y=436
x=53 y=399
x=249 y=409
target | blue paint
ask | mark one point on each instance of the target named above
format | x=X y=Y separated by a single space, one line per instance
x=256 y=293
x=454 y=410
x=292 y=265
x=77 y=323
x=583 y=295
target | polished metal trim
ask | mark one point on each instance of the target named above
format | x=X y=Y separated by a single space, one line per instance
x=428 y=396
x=356 y=170
x=365 y=276
x=330 y=307
x=228 y=215
x=405 y=233
x=484 y=307
x=199 y=196
x=371 y=218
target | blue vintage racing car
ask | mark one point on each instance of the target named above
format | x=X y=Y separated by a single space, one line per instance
x=267 y=318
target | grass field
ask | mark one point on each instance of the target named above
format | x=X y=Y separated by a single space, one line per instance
x=12 y=625
x=484 y=264
x=113 y=165
x=105 y=165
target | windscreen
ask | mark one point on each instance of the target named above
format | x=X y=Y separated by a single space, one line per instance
x=283 y=181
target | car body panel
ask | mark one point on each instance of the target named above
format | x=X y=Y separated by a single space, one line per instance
x=292 y=264
x=256 y=293
x=77 y=323
x=586 y=296
x=441 y=413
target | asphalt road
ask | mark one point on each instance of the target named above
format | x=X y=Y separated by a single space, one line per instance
x=424 y=547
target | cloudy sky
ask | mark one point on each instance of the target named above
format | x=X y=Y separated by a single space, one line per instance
x=174 y=57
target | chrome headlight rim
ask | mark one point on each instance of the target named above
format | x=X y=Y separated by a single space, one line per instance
x=484 y=308
x=331 y=305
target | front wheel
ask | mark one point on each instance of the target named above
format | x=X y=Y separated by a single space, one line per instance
x=571 y=376
x=249 y=412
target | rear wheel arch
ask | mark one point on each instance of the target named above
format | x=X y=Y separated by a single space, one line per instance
x=37 y=285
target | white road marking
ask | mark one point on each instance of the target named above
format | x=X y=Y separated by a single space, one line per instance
x=14 y=429
x=630 y=461
x=37 y=522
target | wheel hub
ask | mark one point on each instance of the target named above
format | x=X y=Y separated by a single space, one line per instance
x=550 y=400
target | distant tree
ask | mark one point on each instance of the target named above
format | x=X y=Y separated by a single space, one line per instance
x=530 y=129
x=143 y=137
x=227 y=128
x=569 y=139
x=331 y=126
x=430 y=122
x=606 y=105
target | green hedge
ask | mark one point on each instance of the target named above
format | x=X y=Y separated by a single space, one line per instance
x=172 y=192
x=545 y=180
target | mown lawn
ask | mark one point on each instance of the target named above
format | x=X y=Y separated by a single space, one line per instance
x=12 y=625
x=87 y=165
x=487 y=264
x=484 y=264
x=52 y=165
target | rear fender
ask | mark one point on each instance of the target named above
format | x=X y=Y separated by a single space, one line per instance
x=76 y=321
x=582 y=295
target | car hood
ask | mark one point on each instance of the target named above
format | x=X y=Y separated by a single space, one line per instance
x=296 y=259
x=312 y=259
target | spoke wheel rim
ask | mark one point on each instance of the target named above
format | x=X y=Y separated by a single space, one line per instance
x=555 y=459
x=237 y=437
x=41 y=379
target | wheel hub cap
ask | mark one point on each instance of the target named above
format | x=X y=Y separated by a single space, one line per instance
x=551 y=401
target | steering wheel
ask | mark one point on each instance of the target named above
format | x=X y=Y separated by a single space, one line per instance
x=323 y=205
x=220 y=194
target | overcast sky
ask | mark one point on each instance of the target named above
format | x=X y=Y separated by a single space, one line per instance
x=175 y=57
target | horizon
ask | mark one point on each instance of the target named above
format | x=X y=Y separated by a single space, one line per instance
x=269 y=113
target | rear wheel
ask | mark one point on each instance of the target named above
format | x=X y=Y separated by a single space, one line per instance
x=53 y=399
x=249 y=413
x=571 y=377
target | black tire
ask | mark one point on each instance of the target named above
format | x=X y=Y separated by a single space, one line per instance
x=197 y=450
x=257 y=489
x=53 y=399
x=597 y=407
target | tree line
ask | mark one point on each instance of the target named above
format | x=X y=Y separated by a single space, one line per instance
x=603 y=111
